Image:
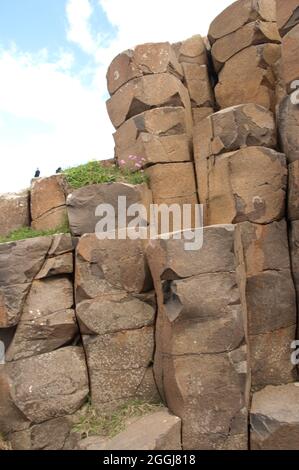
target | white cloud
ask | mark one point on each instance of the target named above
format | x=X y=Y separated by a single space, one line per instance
x=78 y=14
x=75 y=126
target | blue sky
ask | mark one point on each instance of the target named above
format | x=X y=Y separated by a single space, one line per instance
x=53 y=60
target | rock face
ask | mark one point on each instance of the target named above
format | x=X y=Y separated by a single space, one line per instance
x=14 y=212
x=288 y=120
x=269 y=294
x=116 y=319
x=246 y=185
x=160 y=135
x=287 y=15
x=82 y=204
x=289 y=50
x=146 y=59
x=274 y=418
x=44 y=387
x=192 y=51
x=144 y=93
x=254 y=66
x=198 y=298
x=156 y=431
x=48 y=198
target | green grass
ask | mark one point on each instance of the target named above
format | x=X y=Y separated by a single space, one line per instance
x=95 y=173
x=93 y=424
x=27 y=232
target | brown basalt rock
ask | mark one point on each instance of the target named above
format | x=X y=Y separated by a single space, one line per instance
x=146 y=59
x=192 y=51
x=156 y=431
x=117 y=364
x=293 y=196
x=20 y=262
x=257 y=32
x=288 y=122
x=61 y=264
x=287 y=15
x=47 y=321
x=82 y=204
x=200 y=331
x=48 y=196
x=274 y=418
x=142 y=94
x=248 y=77
x=48 y=386
x=160 y=135
x=294 y=248
x=113 y=265
x=289 y=50
x=197 y=81
x=246 y=185
x=269 y=295
x=239 y=14
x=14 y=212
x=234 y=128
x=201 y=113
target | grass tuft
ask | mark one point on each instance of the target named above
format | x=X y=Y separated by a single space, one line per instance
x=27 y=232
x=96 y=173
x=93 y=424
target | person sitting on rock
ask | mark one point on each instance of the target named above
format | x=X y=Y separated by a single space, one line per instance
x=37 y=173
x=59 y=170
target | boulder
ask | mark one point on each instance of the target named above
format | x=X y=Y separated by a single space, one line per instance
x=248 y=77
x=108 y=266
x=257 y=32
x=200 y=331
x=197 y=81
x=146 y=59
x=48 y=196
x=274 y=418
x=82 y=204
x=161 y=135
x=293 y=187
x=288 y=124
x=144 y=93
x=156 y=431
x=234 y=128
x=14 y=212
x=47 y=386
x=192 y=50
x=47 y=322
x=239 y=14
x=246 y=185
x=20 y=262
x=268 y=292
x=287 y=15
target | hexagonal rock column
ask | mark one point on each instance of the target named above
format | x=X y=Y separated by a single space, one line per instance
x=268 y=292
x=37 y=390
x=116 y=313
x=146 y=59
x=82 y=204
x=274 y=418
x=201 y=354
x=192 y=55
x=14 y=212
x=144 y=93
x=48 y=202
x=161 y=135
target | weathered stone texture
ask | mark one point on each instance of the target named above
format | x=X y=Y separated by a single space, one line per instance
x=248 y=77
x=192 y=51
x=82 y=204
x=200 y=331
x=142 y=94
x=246 y=185
x=275 y=419
x=14 y=212
x=146 y=59
x=290 y=51
x=288 y=123
x=287 y=15
x=47 y=199
x=160 y=135
x=269 y=295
